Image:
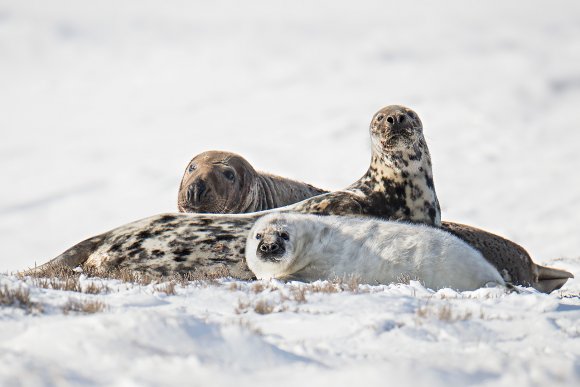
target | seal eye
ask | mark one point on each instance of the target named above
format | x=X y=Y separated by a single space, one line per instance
x=258 y=236
x=380 y=117
x=192 y=167
x=284 y=235
x=229 y=175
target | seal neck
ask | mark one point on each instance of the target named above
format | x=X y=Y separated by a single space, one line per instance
x=402 y=179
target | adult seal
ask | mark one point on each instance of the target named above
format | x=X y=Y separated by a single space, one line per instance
x=224 y=182
x=309 y=248
x=398 y=185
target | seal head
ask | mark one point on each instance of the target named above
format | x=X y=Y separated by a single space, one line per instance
x=216 y=182
x=395 y=126
x=270 y=247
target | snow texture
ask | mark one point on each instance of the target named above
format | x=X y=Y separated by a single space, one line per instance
x=104 y=103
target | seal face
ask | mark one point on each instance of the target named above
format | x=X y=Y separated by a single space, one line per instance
x=374 y=251
x=225 y=183
x=214 y=182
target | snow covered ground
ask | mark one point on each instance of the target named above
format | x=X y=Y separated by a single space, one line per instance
x=102 y=104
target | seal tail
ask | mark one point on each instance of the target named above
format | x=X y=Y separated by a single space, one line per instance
x=550 y=279
x=71 y=258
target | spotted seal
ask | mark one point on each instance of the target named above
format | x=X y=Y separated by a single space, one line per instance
x=398 y=185
x=307 y=248
x=224 y=182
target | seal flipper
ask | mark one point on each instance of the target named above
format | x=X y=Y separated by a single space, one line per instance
x=71 y=258
x=550 y=279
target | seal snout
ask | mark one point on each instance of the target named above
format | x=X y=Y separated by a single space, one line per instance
x=399 y=122
x=271 y=249
x=196 y=192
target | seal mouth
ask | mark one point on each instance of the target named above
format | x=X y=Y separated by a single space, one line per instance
x=200 y=208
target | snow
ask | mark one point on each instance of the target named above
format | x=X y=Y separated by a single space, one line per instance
x=104 y=103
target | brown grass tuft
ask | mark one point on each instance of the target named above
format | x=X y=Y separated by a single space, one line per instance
x=263 y=307
x=167 y=288
x=86 y=306
x=443 y=313
x=299 y=294
x=20 y=298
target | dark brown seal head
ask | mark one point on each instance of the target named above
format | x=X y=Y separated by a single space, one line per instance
x=221 y=182
x=216 y=182
x=399 y=182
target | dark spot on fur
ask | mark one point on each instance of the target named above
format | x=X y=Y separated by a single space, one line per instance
x=432 y=214
x=166 y=219
x=227 y=237
x=115 y=247
x=144 y=234
x=135 y=246
x=429 y=182
x=158 y=253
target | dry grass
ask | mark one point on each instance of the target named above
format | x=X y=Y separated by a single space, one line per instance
x=324 y=287
x=167 y=288
x=20 y=298
x=299 y=294
x=242 y=307
x=443 y=313
x=80 y=306
x=263 y=307
x=94 y=288
x=64 y=278
x=258 y=287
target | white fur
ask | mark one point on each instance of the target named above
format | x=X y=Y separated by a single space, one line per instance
x=375 y=251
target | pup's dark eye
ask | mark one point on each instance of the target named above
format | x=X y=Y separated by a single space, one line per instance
x=284 y=235
x=380 y=118
x=258 y=236
x=192 y=168
x=229 y=175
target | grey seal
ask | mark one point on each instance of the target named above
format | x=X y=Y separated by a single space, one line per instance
x=226 y=183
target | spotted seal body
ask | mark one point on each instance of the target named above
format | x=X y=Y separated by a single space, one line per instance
x=309 y=247
x=224 y=182
x=398 y=185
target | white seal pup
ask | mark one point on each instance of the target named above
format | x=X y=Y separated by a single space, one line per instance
x=310 y=247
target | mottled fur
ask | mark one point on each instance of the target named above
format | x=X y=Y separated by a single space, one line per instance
x=309 y=247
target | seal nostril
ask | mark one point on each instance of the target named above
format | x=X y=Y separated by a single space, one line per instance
x=190 y=192
x=401 y=118
x=390 y=119
x=200 y=187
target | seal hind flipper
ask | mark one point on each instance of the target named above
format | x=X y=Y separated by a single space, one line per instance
x=71 y=258
x=550 y=279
